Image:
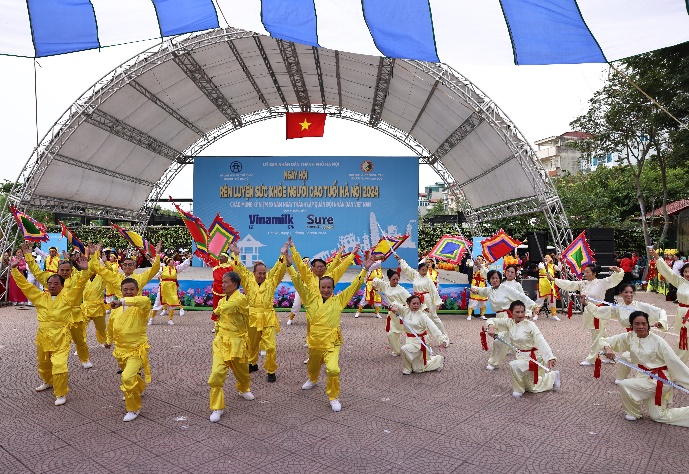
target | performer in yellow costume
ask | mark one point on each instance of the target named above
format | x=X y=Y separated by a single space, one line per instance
x=52 y=259
x=79 y=320
x=432 y=272
x=168 y=296
x=592 y=287
x=324 y=311
x=127 y=332
x=230 y=346
x=546 y=289
x=478 y=280
x=394 y=294
x=415 y=350
x=259 y=288
x=93 y=308
x=653 y=354
x=525 y=336
x=371 y=296
x=128 y=266
x=54 y=312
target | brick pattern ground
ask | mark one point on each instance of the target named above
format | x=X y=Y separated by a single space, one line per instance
x=460 y=420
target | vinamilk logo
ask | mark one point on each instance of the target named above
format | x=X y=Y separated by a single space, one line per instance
x=283 y=219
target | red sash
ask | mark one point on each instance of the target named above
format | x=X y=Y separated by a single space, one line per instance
x=420 y=294
x=683 y=342
x=533 y=366
x=423 y=347
x=659 y=371
x=596 y=321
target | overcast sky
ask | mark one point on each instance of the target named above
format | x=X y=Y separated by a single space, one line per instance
x=540 y=100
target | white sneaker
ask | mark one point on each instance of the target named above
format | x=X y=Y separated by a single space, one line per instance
x=308 y=385
x=555 y=318
x=556 y=385
x=289 y=322
x=262 y=353
x=306 y=361
x=406 y=371
x=618 y=381
x=535 y=317
x=484 y=318
x=213 y=330
x=181 y=312
x=517 y=394
x=585 y=363
x=87 y=365
x=469 y=318
x=630 y=418
x=442 y=362
x=44 y=386
x=170 y=322
x=356 y=315
x=76 y=353
x=150 y=321
x=60 y=401
x=378 y=316
x=131 y=415
x=607 y=361
x=247 y=396
x=490 y=367
x=394 y=354
x=215 y=416
x=335 y=405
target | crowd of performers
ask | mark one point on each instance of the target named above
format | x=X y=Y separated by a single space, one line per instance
x=91 y=286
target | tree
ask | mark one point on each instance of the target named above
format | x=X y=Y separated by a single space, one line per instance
x=438 y=209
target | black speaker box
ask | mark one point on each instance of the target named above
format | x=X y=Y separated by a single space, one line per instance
x=534 y=239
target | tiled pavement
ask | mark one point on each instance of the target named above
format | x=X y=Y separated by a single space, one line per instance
x=462 y=419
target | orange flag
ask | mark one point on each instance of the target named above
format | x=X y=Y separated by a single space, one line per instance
x=305 y=124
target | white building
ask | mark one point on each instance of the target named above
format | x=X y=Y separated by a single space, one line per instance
x=557 y=156
x=249 y=250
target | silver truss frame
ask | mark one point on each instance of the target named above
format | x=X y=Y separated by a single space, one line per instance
x=179 y=50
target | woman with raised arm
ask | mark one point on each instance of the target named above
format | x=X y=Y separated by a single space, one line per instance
x=425 y=289
x=478 y=280
x=501 y=295
x=415 y=351
x=682 y=315
x=650 y=353
x=168 y=296
x=592 y=287
x=394 y=294
x=525 y=336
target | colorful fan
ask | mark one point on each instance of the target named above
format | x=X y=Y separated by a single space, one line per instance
x=72 y=239
x=450 y=248
x=497 y=246
x=220 y=236
x=578 y=254
x=196 y=229
x=135 y=240
x=386 y=246
x=31 y=229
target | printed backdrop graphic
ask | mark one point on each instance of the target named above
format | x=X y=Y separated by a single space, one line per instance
x=322 y=202
x=496 y=265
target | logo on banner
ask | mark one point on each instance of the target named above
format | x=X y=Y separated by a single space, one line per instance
x=283 y=219
x=366 y=166
x=236 y=166
x=320 y=222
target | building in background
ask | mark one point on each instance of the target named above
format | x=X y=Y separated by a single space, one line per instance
x=558 y=156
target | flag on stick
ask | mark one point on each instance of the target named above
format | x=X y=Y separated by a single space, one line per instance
x=196 y=229
x=578 y=254
x=220 y=236
x=135 y=240
x=497 y=246
x=305 y=124
x=386 y=246
x=31 y=229
x=72 y=239
x=450 y=248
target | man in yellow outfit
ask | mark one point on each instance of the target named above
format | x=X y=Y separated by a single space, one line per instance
x=323 y=312
x=259 y=288
x=54 y=313
x=128 y=266
x=230 y=346
x=79 y=320
x=52 y=259
x=93 y=308
x=127 y=332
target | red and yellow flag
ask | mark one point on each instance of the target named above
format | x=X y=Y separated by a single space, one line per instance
x=305 y=124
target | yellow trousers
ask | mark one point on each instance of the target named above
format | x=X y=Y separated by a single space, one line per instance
x=266 y=340
x=240 y=369
x=52 y=368
x=78 y=330
x=133 y=384
x=331 y=359
x=99 y=323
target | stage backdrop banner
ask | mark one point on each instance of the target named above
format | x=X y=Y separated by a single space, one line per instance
x=322 y=202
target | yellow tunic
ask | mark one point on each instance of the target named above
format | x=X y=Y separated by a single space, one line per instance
x=371 y=296
x=93 y=305
x=232 y=339
x=51 y=263
x=114 y=280
x=325 y=316
x=127 y=330
x=261 y=311
x=478 y=280
x=334 y=270
x=42 y=277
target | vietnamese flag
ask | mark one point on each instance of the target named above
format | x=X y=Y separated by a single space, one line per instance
x=305 y=124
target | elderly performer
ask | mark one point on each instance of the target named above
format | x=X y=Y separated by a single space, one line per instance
x=395 y=294
x=525 y=336
x=649 y=352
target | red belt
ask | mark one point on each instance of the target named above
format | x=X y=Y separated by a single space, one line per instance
x=683 y=345
x=533 y=366
x=420 y=294
x=423 y=347
x=596 y=321
x=659 y=371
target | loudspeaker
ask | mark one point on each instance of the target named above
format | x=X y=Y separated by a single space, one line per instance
x=605 y=259
x=602 y=242
x=536 y=239
x=530 y=286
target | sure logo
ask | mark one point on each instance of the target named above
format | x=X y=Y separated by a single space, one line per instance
x=320 y=222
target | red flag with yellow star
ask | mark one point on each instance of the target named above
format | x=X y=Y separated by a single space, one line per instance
x=305 y=124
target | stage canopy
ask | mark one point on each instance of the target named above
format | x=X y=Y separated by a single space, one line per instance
x=455 y=32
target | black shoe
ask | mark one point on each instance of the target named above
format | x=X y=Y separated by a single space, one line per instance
x=272 y=378
x=253 y=368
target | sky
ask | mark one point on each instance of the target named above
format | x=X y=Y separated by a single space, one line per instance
x=540 y=100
